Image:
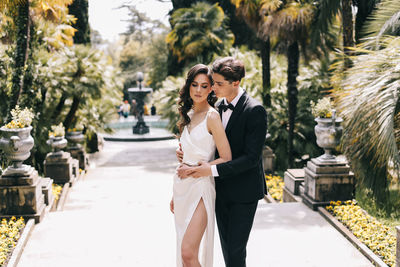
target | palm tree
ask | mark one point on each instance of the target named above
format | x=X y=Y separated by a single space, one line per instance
x=198 y=32
x=87 y=79
x=252 y=12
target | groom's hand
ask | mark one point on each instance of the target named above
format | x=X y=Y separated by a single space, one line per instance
x=184 y=171
x=204 y=169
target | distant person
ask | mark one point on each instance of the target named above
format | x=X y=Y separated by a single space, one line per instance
x=153 y=110
x=146 y=109
x=125 y=109
x=119 y=108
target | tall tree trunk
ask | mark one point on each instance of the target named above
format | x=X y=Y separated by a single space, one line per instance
x=266 y=72
x=348 y=30
x=22 y=21
x=293 y=72
x=80 y=9
x=71 y=114
x=59 y=107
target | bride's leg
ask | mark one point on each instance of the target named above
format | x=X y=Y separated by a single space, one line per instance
x=192 y=238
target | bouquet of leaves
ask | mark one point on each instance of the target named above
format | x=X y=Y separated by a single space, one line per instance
x=21 y=118
x=57 y=130
x=323 y=108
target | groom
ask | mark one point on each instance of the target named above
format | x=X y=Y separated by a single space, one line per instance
x=239 y=183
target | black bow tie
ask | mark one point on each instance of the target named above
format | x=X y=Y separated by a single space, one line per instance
x=224 y=107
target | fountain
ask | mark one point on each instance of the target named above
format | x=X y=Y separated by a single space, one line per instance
x=133 y=130
x=139 y=93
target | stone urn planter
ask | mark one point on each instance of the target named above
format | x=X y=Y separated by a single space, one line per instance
x=57 y=143
x=76 y=149
x=328 y=132
x=16 y=144
x=75 y=138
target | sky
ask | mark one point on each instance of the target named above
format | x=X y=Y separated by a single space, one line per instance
x=105 y=17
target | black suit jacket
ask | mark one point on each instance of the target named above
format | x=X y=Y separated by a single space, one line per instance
x=242 y=179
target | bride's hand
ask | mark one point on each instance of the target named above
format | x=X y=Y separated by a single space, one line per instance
x=171 y=205
x=179 y=153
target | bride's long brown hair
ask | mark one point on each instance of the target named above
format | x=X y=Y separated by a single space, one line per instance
x=185 y=102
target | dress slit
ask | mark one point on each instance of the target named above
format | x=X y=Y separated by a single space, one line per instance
x=205 y=248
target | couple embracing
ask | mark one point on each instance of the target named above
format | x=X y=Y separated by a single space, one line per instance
x=221 y=174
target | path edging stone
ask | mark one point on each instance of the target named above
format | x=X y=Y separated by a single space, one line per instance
x=270 y=199
x=63 y=197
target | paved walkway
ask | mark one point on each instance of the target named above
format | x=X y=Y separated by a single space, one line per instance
x=118 y=215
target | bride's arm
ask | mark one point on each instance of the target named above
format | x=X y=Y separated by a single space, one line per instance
x=217 y=130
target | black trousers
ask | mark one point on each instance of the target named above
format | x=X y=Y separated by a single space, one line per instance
x=234 y=222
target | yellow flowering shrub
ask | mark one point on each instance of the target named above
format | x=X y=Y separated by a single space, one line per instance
x=56 y=190
x=10 y=232
x=275 y=186
x=367 y=229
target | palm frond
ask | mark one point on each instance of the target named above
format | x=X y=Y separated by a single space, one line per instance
x=384 y=20
x=289 y=23
x=9 y=4
x=367 y=102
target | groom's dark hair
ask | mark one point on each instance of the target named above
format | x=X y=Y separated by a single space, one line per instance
x=232 y=69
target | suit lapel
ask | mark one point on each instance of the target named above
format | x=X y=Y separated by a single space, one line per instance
x=236 y=112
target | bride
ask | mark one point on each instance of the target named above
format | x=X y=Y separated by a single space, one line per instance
x=193 y=199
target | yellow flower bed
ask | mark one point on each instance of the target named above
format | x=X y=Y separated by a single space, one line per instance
x=56 y=191
x=367 y=229
x=275 y=186
x=9 y=235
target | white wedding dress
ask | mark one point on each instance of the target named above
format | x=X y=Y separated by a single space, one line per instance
x=198 y=145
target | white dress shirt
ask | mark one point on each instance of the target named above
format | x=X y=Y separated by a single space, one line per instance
x=226 y=115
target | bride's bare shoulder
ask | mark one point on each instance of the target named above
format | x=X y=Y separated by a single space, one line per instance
x=213 y=114
x=213 y=120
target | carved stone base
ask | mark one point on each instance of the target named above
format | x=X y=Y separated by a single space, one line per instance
x=325 y=182
x=80 y=154
x=59 y=167
x=140 y=128
x=22 y=196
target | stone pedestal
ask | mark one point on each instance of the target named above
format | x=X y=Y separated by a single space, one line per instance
x=58 y=166
x=268 y=159
x=22 y=196
x=75 y=168
x=47 y=191
x=398 y=247
x=326 y=181
x=79 y=154
x=293 y=178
